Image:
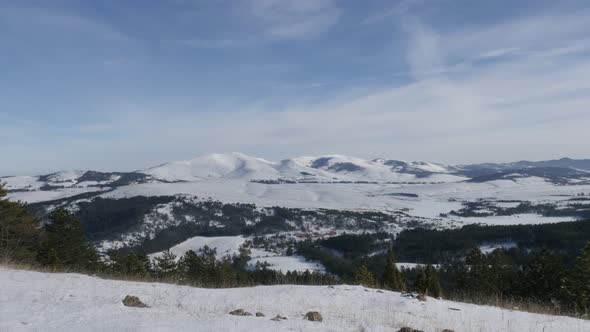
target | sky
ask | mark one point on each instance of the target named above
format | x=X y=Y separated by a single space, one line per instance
x=127 y=84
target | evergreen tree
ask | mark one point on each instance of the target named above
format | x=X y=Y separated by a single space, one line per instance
x=543 y=278
x=392 y=279
x=580 y=286
x=19 y=231
x=165 y=265
x=135 y=264
x=433 y=285
x=226 y=276
x=209 y=258
x=478 y=274
x=364 y=277
x=240 y=261
x=421 y=281
x=64 y=244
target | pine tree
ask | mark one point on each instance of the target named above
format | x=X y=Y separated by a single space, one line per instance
x=433 y=285
x=392 y=279
x=580 y=287
x=364 y=277
x=19 y=231
x=192 y=267
x=477 y=277
x=165 y=265
x=421 y=281
x=133 y=264
x=64 y=243
x=226 y=276
x=543 y=277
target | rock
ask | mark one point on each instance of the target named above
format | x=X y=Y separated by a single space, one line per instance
x=380 y=291
x=278 y=318
x=259 y=314
x=447 y=330
x=408 y=329
x=314 y=316
x=240 y=312
x=410 y=295
x=133 y=301
x=421 y=297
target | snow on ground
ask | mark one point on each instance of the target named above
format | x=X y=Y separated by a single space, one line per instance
x=43 y=195
x=431 y=200
x=33 y=301
x=324 y=168
x=229 y=245
x=65 y=177
x=225 y=245
x=227 y=178
x=487 y=248
x=410 y=266
x=21 y=182
x=287 y=263
x=518 y=219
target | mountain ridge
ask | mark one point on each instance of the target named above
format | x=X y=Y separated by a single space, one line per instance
x=324 y=168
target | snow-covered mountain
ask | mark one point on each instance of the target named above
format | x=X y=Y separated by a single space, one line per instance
x=234 y=166
x=328 y=168
x=324 y=168
x=329 y=181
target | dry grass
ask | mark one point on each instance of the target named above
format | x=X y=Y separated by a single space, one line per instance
x=510 y=303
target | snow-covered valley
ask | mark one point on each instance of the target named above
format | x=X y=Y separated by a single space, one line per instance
x=305 y=197
x=34 y=301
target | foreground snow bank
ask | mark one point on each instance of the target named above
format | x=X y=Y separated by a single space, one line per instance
x=73 y=302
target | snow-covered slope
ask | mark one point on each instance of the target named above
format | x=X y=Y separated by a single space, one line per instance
x=231 y=165
x=332 y=181
x=379 y=170
x=32 y=301
x=22 y=182
x=230 y=245
x=325 y=168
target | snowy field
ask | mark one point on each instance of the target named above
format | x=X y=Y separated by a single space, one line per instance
x=431 y=200
x=32 y=301
x=230 y=245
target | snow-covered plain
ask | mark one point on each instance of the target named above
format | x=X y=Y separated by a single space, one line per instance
x=49 y=195
x=431 y=199
x=33 y=301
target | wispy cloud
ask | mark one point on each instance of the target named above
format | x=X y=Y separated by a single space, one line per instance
x=295 y=19
x=258 y=22
x=514 y=99
x=512 y=89
x=58 y=23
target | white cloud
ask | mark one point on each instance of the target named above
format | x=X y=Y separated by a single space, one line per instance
x=530 y=102
x=302 y=19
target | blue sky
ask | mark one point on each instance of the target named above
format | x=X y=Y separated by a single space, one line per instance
x=121 y=85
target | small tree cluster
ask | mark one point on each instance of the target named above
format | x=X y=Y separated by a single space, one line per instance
x=19 y=231
x=427 y=281
x=392 y=279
